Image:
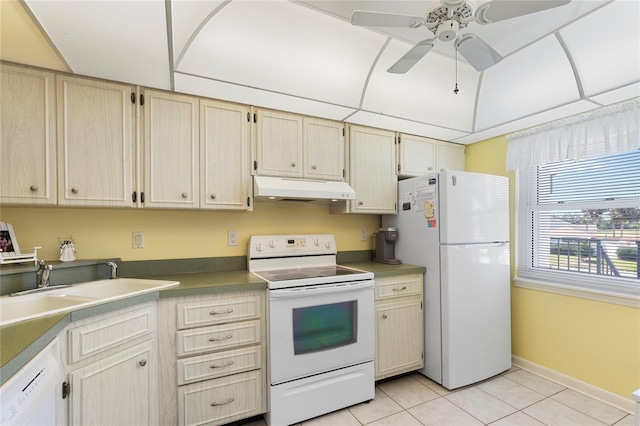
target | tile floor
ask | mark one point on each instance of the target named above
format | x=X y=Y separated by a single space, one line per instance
x=515 y=397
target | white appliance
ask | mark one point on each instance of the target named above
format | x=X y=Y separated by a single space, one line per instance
x=32 y=396
x=321 y=327
x=456 y=224
x=281 y=188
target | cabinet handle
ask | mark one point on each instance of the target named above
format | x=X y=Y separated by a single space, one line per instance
x=384 y=316
x=360 y=203
x=213 y=196
x=228 y=401
x=227 y=337
x=293 y=164
x=75 y=190
x=314 y=167
x=226 y=364
x=404 y=287
x=430 y=168
x=143 y=363
x=184 y=195
x=34 y=188
x=228 y=311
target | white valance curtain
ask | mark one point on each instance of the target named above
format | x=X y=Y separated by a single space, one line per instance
x=608 y=130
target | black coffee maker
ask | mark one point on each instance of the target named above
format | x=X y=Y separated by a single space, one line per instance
x=385 y=242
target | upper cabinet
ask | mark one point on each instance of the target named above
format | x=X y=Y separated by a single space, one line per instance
x=323 y=149
x=225 y=178
x=450 y=156
x=290 y=145
x=95 y=142
x=28 y=139
x=418 y=156
x=372 y=171
x=170 y=150
x=278 y=144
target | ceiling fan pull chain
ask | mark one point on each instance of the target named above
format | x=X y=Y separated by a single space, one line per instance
x=456 y=90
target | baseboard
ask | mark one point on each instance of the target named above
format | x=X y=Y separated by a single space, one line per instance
x=575 y=384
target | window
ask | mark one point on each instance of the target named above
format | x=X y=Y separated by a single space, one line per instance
x=579 y=223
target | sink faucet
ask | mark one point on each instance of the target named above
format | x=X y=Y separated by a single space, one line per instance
x=114 y=270
x=43 y=274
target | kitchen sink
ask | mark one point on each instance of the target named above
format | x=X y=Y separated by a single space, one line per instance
x=35 y=305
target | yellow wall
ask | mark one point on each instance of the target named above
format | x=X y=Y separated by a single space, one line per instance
x=103 y=233
x=594 y=342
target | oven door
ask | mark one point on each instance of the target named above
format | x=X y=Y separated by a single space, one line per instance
x=320 y=328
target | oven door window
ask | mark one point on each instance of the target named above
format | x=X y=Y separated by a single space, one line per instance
x=323 y=327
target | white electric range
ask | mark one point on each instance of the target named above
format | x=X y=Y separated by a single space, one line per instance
x=321 y=327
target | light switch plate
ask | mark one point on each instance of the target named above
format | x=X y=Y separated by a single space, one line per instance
x=138 y=240
x=363 y=235
x=232 y=238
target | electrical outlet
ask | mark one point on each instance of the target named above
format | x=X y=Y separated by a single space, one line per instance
x=363 y=235
x=232 y=238
x=138 y=240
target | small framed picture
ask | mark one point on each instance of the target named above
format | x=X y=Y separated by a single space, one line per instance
x=8 y=241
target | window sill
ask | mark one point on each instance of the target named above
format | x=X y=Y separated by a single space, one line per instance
x=583 y=293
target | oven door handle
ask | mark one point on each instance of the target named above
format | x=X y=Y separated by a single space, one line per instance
x=320 y=289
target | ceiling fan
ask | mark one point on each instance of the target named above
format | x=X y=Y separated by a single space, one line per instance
x=445 y=18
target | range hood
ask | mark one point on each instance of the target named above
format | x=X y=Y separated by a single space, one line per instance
x=280 y=188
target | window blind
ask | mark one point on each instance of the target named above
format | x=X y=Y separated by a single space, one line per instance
x=581 y=222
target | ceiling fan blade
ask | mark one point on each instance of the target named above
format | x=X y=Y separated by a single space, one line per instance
x=478 y=53
x=410 y=58
x=499 y=10
x=364 y=18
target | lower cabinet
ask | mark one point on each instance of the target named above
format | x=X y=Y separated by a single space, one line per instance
x=399 y=325
x=111 y=368
x=212 y=355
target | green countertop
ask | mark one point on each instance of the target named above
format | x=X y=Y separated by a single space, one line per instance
x=20 y=342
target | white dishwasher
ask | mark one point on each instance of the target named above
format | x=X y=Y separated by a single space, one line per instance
x=29 y=396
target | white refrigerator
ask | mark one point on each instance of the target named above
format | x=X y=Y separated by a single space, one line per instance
x=456 y=224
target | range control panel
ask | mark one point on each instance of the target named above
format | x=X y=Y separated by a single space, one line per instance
x=291 y=245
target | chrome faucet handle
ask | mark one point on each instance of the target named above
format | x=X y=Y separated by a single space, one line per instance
x=114 y=270
x=43 y=274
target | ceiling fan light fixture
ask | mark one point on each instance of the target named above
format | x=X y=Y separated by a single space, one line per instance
x=448 y=30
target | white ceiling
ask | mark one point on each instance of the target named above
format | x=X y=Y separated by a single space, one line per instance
x=306 y=57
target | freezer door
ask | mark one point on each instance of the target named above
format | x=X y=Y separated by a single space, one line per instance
x=476 y=313
x=474 y=207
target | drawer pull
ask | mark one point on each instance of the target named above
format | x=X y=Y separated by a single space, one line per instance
x=404 y=287
x=143 y=363
x=384 y=316
x=228 y=401
x=226 y=364
x=227 y=337
x=34 y=188
x=228 y=311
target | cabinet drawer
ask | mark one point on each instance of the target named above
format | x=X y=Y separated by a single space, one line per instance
x=198 y=314
x=221 y=401
x=399 y=286
x=93 y=338
x=219 y=364
x=217 y=337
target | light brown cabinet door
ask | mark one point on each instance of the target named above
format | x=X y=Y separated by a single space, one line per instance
x=28 y=140
x=95 y=142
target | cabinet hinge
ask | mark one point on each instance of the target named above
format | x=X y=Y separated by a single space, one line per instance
x=142 y=197
x=255 y=118
x=420 y=305
x=133 y=97
x=141 y=99
x=343 y=131
x=249 y=117
x=398 y=167
x=399 y=140
x=134 y=196
x=248 y=201
x=66 y=390
x=255 y=165
x=344 y=174
x=422 y=355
